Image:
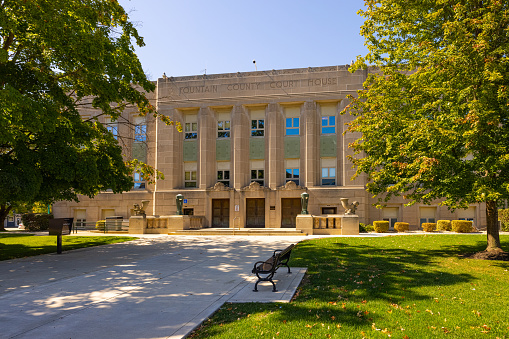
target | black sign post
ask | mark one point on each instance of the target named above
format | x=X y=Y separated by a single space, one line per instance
x=59 y=227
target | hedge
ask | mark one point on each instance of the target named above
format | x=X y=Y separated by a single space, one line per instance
x=381 y=226
x=401 y=226
x=462 y=226
x=444 y=225
x=503 y=216
x=36 y=222
x=429 y=226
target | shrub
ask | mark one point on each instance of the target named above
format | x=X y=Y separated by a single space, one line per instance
x=365 y=228
x=401 y=226
x=381 y=226
x=444 y=225
x=36 y=222
x=100 y=224
x=503 y=217
x=429 y=226
x=462 y=226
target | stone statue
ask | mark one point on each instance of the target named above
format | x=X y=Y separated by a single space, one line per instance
x=180 y=203
x=304 y=199
x=349 y=208
x=140 y=210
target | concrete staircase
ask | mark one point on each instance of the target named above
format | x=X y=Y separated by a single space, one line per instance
x=241 y=231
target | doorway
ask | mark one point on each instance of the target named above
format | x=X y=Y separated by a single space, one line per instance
x=255 y=213
x=220 y=213
x=290 y=207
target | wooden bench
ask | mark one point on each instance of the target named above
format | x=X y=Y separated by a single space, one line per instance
x=265 y=270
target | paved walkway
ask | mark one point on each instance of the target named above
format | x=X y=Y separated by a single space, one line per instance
x=154 y=287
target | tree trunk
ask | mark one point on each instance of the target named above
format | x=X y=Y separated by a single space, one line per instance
x=4 y=212
x=492 y=230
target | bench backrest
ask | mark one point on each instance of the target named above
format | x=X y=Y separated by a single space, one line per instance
x=285 y=254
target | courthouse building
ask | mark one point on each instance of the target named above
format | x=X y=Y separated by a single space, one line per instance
x=251 y=144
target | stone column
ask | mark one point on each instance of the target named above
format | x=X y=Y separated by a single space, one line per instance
x=206 y=148
x=310 y=146
x=275 y=146
x=170 y=150
x=240 y=128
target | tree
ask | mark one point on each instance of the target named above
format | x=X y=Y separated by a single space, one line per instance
x=56 y=56
x=434 y=109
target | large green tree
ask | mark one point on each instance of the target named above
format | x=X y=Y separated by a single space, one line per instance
x=434 y=110
x=54 y=55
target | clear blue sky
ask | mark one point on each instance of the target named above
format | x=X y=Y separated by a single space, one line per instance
x=185 y=37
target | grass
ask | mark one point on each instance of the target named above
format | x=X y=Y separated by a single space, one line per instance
x=20 y=245
x=415 y=286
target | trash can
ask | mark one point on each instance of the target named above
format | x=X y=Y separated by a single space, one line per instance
x=114 y=223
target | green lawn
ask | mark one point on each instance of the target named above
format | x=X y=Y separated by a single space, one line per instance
x=415 y=286
x=18 y=245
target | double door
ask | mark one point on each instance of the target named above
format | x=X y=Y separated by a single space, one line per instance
x=255 y=212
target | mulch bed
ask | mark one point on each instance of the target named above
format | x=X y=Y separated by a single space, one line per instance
x=488 y=255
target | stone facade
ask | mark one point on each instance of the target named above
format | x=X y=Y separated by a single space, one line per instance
x=266 y=127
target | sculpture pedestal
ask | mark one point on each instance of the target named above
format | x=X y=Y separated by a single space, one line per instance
x=350 y=225
x=178 y=222
x=304 y=223
x=138 y=224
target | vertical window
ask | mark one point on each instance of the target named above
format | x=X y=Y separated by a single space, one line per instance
x=292 y=126
x=329 y=125
x=190 y=179
x=140 y=132
x=139 y=182
x=258 y=128
x=223 y=129
x=224 y=177
x=258 y=176
x=292 y=174
x=328 y=176
x=191 y=130
x=113 y=129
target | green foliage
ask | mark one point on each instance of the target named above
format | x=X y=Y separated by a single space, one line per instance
x=429 y=226
x=57 y=56
x=462 y=226
x=381 y=226
x=36 y=222
x=365 y=228
x=434 y=113
x=24 y=245
x=503 y=217
x=100 y=224
x=401 y=226
x=443 y=225
x=412 y=286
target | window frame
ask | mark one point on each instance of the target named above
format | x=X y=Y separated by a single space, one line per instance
x=226 y=131
x=139 y=182
x=294 y=126
x=223 y=179
x=328 y=125
x=191 y=133
x=295 y=179
x=140 y=132
x=257 y=178
x=257 y=131
x=188 y=183
x=328 y=176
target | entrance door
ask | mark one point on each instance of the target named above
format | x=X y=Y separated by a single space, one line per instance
x=290 y=208
x=255 y=213
x=220 y=212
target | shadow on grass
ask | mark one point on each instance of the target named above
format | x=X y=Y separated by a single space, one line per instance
x=349 y=278
x=13 y=246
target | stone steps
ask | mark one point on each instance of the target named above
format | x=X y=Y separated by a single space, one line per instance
x=241 y=231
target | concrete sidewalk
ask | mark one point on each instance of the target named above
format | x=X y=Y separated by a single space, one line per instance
x=154 y=287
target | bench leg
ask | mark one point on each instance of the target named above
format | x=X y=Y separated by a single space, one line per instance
x=273 y=286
